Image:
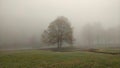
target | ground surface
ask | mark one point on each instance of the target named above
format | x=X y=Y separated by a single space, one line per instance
x=50 y=59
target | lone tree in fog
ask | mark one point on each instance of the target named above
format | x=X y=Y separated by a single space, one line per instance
x=58 y=31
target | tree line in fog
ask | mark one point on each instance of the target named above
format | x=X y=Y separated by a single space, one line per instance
x=96 y=34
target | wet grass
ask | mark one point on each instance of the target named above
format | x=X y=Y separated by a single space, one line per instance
x=50 y=59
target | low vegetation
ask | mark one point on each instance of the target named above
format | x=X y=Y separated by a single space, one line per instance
x=52 y=59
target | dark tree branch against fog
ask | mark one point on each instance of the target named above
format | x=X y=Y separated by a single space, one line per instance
x=58 y=32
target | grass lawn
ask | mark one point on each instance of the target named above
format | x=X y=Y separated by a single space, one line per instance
x=109 y=50
x=49 y=59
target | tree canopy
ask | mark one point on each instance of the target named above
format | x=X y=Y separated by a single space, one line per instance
x=58 y=31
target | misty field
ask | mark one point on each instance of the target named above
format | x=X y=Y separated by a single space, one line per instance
x=50 y=59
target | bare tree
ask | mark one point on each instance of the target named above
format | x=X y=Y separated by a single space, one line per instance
x=92 y=34
x=58 y=31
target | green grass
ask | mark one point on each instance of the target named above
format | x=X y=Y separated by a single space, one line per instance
x=49 y=59
x=109 y=50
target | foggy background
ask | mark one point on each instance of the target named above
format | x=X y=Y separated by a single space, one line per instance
x=23 y=21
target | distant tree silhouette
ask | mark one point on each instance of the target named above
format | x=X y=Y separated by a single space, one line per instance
x=58 y=31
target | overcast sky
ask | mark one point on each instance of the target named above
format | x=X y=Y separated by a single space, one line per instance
x=25 y=18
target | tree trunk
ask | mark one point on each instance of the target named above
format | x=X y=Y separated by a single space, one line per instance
x=60 y=43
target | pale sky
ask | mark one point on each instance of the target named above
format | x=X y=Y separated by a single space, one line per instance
x=28 y=17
